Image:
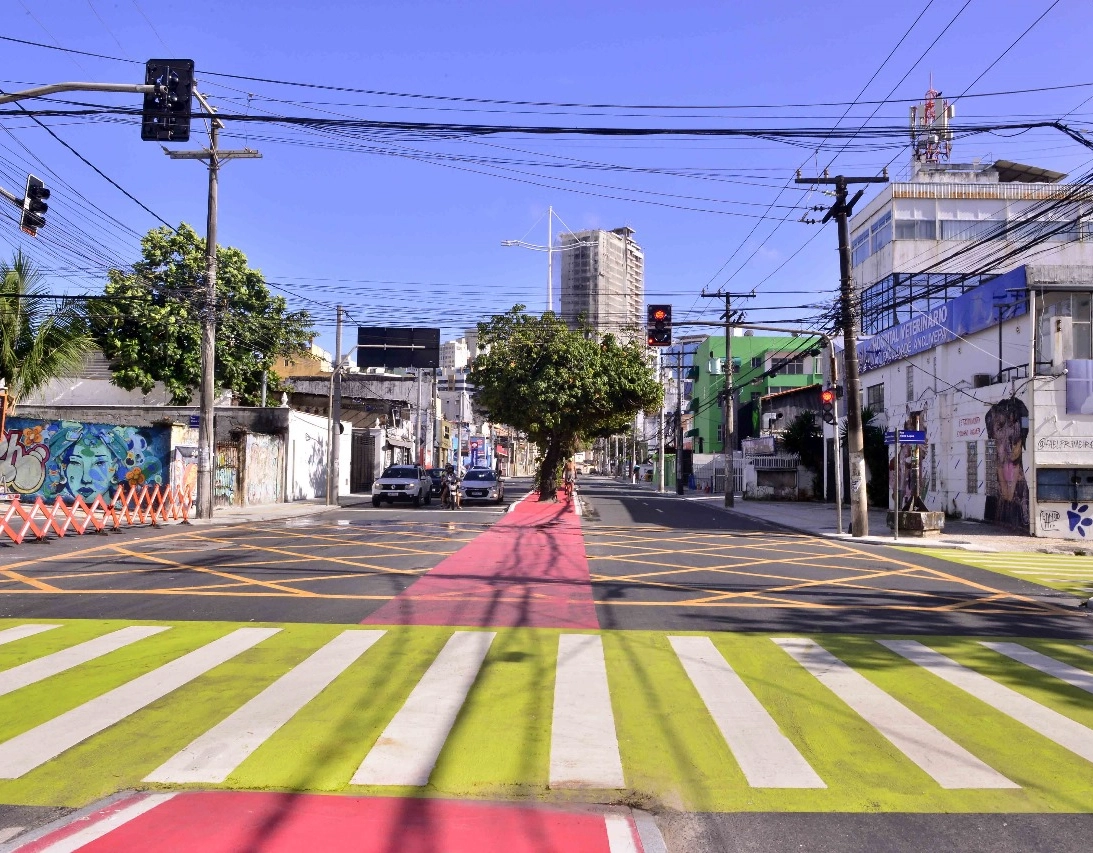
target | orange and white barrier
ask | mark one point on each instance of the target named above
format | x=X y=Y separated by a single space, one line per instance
x=131 y=505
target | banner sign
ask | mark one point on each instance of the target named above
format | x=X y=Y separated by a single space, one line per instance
x=387 y=346
x=978 y=309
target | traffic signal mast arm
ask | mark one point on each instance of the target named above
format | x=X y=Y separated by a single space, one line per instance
x=52 y=88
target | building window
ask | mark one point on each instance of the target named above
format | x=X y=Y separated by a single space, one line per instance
x=874 y=397
x=990 y=468
x=972 y=466
x=933 y=467
x=793 y=367
x=756 y=361
x=916 y=229
x=1068 y=485
x=910 y=382
x=720 y=433
x=880 y=233
x=859 y=248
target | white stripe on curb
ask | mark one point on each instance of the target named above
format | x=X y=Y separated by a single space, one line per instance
x=584 y=748
x=1041 y=719
x=620 y=834
x=106 y=825
x=50 y=665
x=1065 y=672
x=35 y=747
x=406 y=752
x=767 y=758
x=948 y=763
x=19 y=632
x=213 y=756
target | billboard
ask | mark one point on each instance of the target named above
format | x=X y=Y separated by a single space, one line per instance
x=390 y=346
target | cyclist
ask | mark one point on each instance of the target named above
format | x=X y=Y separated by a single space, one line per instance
x=569 y=477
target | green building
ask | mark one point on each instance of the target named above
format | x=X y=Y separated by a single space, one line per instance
x=764 y=364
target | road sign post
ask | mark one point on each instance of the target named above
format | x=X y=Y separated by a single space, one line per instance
x=898 y=437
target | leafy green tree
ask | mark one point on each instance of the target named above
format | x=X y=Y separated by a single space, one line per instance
x=151 y=330
x=804 y=437
x=559 y=385
x=876 y=456
x=40 y=339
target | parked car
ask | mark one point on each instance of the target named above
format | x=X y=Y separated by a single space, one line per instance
x=403 y=483
x=436 y=476
x=482 y=484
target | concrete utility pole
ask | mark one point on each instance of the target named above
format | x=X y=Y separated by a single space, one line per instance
x=333 y=474
x=841 y=210
x=730 y=392
x=213 y=156
x=679 y=420
x=660 y=430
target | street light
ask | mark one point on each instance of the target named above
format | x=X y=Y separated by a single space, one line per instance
x=550 y=249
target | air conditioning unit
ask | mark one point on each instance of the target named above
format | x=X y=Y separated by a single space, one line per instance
x=981 y=380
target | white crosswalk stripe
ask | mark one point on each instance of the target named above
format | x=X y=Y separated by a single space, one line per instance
x=35 y=747
x=20 y=632
x=584 y=749
x=766 y=757
x=213 y=756
x=949 y=764
x=406 y=752
x=58 y=662
x=1065 y=672
x=1041 y=719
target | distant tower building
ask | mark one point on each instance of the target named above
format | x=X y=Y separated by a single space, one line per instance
x=454 y=355
x=603 y=280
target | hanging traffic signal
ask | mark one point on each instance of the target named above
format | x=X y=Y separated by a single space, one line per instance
x=34 y=206
x=166 y=114
x=827 y=403
x=659 y=325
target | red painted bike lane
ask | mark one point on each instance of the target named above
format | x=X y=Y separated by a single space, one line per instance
x=528 y=570
x=260 y=822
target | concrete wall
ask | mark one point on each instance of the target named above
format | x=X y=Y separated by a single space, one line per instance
x=307 y=457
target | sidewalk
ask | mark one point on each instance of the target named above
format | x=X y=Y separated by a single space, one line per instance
x=275 y=512
x=819 y=519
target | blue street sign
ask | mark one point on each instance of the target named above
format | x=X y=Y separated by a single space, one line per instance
x=195 y=421
x=906 y=436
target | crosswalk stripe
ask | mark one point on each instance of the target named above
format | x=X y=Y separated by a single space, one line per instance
x=1088 y=648
x=19 y=632
x=1051 y=724
x=949 y=764
x=620 y=834
x=35 y=747
x=406 y=752
x=50 y=665
x=584 y=747
x=1063 y=671
x=767 y=757
x=214 y=755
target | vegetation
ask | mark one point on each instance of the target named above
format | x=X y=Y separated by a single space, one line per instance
x=876 y=457
x=40 y=338
x=804 y=437
x=561 y=386
x=151 y=331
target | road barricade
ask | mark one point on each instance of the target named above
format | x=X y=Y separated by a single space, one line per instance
x=132 y=505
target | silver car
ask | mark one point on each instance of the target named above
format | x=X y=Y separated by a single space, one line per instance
x=482 y=484
x=402 y=483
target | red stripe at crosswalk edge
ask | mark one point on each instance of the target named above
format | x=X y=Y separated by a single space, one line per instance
x=228 y=822
x=528 y=570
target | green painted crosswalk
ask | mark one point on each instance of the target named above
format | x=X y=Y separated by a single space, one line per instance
x=1067 y=572
x=707 y=722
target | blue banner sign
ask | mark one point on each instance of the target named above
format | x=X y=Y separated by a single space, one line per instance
x=906 y=436
x=976 y=310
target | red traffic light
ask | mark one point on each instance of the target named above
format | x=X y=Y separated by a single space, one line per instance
x=660 y=314
x=827 y=396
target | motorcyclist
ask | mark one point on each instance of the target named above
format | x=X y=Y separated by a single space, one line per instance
x=451 y=480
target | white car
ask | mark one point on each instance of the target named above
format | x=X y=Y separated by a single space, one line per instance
x=482 y=484
x=402 y=483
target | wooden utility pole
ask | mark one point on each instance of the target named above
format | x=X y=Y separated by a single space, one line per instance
x=213 y=156
x=841 y=210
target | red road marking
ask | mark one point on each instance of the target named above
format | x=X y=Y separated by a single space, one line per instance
x=230 y=822
x=528 y=570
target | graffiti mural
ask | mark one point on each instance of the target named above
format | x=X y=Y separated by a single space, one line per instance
x=263 y=469
x=69 y=459
x=184 y=469
x=1007 y=491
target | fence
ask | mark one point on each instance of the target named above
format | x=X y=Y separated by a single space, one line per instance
x=131 y=505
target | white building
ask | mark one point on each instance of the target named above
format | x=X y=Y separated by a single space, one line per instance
x=603 y=281
x=948 y=266
x=454 y=355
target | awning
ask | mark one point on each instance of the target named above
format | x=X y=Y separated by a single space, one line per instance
x=691 y=433
x=394 y=441
x=500 y=451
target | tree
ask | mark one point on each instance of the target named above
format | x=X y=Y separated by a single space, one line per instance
x=559 y=385
x=40 y=339
x=804 y=437
x=876 y=456
x=151 y=330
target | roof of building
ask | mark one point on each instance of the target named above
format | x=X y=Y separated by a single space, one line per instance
x=1010 y=172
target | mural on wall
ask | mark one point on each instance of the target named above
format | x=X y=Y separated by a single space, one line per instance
x=69 y=459
x=263 y=469
x=1067 y=521
x=1008 y=496
x=184 y=470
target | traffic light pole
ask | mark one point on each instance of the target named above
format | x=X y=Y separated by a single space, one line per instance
x=841 y=211
x=213 y=156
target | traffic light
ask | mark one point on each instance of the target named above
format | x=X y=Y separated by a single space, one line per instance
x=166 y=114
x=827 y=403
x=659 y=325
x=34 y=206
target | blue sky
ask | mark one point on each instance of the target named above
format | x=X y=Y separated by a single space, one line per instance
x=408 y=230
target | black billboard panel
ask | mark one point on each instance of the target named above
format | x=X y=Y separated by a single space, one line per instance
x=387 y=346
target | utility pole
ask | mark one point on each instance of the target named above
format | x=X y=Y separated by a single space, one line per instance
x=213 y=156
x=660 y=431
x=333 y=473
x=730 y=392
x=679 y=420
x=841 y=210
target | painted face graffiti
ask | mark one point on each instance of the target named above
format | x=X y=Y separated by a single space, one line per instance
x=89 y=468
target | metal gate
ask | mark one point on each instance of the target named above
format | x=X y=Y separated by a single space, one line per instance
x=226 y=475
x=362 y=464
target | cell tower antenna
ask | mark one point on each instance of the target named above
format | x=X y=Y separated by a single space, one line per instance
x=931 y=135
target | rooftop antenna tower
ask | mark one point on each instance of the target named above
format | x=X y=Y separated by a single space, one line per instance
x=931 y=136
